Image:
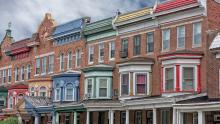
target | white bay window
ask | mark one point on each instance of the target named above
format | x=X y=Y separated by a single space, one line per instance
x=69 y=92
x=125 y=84
x=141 y=80
x=169 y=79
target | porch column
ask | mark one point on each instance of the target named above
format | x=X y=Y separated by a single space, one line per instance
x=111 y=117
x=87 y=117
x=127 y=116
x=174 y=116
x=180 y=117
x=154 y=116
x=36 y=119
x=201 y=117
x=57 y=118
x=75 y=117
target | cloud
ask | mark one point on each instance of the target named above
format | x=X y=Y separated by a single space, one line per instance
x=26 y=15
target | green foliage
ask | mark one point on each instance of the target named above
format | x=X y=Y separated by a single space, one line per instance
x=11 y=120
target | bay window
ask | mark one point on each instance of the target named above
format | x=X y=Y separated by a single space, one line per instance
x=165 y=39
x=101 y=52
x=51 y=63
x=91 y=54
x=137 y=45
x=169 y=79
x=69 y=92
x=125 y=84
x=197 y=34
x=78 y=57
x=44 y=64
x=141 y=83
x=103 y=87
x=89 y=87
x=188 y=78
x=37 y=71
x=61 y=62
x=111 y=50
x=70 y=60
x=181 y=37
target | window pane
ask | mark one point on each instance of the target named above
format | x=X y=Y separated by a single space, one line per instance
x=101 y=51
x=188 y=78
x=112 y=49
x=62 y=62
x=181 y=36
x=44 y=62
x=197 y=33
x=70 y=60
x=78 y=58
x=124 y=45
x=137 y=45
x=102 y=87
x=169 y=79
x=138 y=117
x=51 y=63
x=91 y=53
x=141 y=80
x=89 y=86
x=124 y=84
x=38 y=66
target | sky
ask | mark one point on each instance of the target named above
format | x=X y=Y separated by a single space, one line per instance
x=26 y=15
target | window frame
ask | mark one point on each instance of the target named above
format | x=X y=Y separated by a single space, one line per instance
x=107 y=87
x=73 y=92
x=44 y=65
x=129 y=76
x=146 y=83
x=195 y=77
x=136 y=117
x=22 y=73
x=101 y=50
x=37 y=68
x=16 y=74
x=43 y=91
x=9 y=75
x=28 y=75
x=32 y=91
x=78 y=58
x=91 y=54
x=167 y=111
x=70 y=60
x=11 y=102
x=4 y=76
x=124 y=48
x=56 y=98
x=147 y=43
x=92 y=88
x=62 y=61
x=50 y=64
x=178 y=36
x=136 y=45
x=163 y=34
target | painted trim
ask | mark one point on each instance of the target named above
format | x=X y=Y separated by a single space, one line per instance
x=44 y=55
x=110 y=47
x=169 y=30
x=177 y=32
x=164 y=79
x=180 y=61
x=193 y=42
x=147 y=83
x=129 y=76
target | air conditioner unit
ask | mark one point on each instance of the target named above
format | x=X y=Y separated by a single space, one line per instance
x=217 y=118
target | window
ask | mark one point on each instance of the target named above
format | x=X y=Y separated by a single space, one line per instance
x=137 y=45
x=32 y=91
x=51 y=63
x=124 y=47
x=16 y=74
x=169 y=79
x=43 y=91
x=57 y=96
x=91 y=54
x=67 y=119
x=111 y=50
x=150 y=42
x=123 y=117
x=10 y=102
x=1 y=76
x=69 y=92
x=9 y=75
x=149 y=118
x=165 y=117
x=4 y=76
x=181 y=37
x=61 y=62
x=70 y=60
x=22 y=72
x=166 y=39
x=197 y=34
x=89 y=87
x=28 y=71
x=2 y=101
x=44 y=65
x=138 y=117
x=101 y=52
x=141 y=81
x=78 y=57
x=103 y=82
x=188 y=78
x=37 y=66
x=124 y=84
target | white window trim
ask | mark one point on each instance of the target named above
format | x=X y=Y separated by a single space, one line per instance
x=62 y=69
x=101 y=61
x=28 y=71
x=68 y=59
x=22 y=71
x=80 y=54
x=73 y=93
x=129 y=75
x=149 y=42
x=86 y=87
x=98 y=87
x=49 y=62
x=44 y=73
x=4 y=75
x=91 y=62
x=56 y=94
x=11 y=99
x=147 y=83
x=164 y=81
x=166 y=50
x=110 y=47
x=193 y=42
x=184 y=27
x=16 y=73
x=9 y=74
x=195 y=76
x=36 y=67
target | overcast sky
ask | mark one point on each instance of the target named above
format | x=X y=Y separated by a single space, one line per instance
x=26 y=15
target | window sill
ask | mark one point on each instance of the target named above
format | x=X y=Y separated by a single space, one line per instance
x=196 y=46
x=111 y=59
x=36 y=75
x=164 y=51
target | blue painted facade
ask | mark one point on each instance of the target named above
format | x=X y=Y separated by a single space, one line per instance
x=66 y=87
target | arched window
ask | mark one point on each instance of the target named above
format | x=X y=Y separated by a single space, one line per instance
x=69 y=92
x=43 y=91
x=32 y=91
x=57 y=92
